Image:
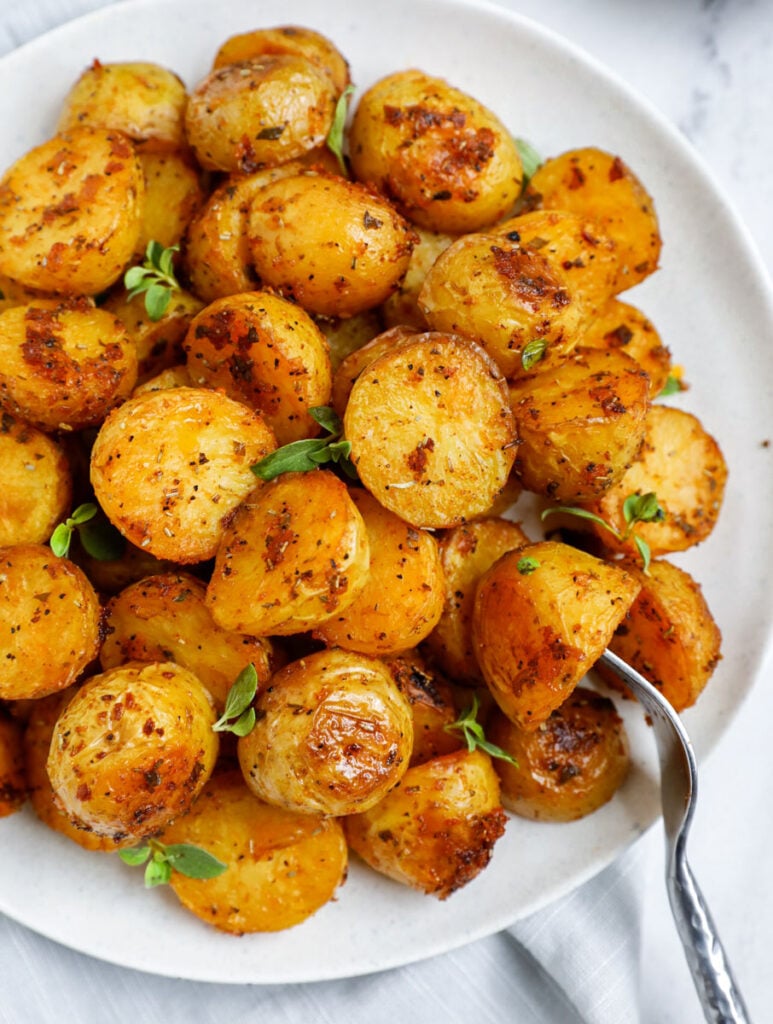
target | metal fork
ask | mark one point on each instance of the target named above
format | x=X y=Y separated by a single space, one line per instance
x=717 y=989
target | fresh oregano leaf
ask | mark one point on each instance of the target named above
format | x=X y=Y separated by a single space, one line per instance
x=335 y=137
x=533 y=352
x=193 y=862
x=642 y=508
x=155 y=277
x=135 y=856
x=673 y=386
x=644 y=550
x=238 y=701
x=527 y=565
x=581 y=513
x=158 y=871
x=61 y=538
x=101 y=540
x=327 y=418
x=473 y=734
x=530 y=159
x=305 y=455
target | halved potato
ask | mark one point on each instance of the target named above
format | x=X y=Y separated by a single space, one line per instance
x=292 y=39
x=624 y=328
x=357 y=361
x=37 y=483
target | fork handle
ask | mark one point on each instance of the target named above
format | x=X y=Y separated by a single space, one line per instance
x=718 y=992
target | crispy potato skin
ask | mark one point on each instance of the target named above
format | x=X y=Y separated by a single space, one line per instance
x=432 y=706
x=334 y=246
x=444 y=159
x=536 y=633
x=173 y=194
x=287 y=39
x=13 y=780
x=49 y=622
x=359 y=360
x=295 y=554
x=568 y=768
x=333 y=736
x=132 y=749
x=402 y=420
x=436 y=831
x=70 y=212
x=282 y=866
x=170 y=467
x=621 y=327
x=37 y=483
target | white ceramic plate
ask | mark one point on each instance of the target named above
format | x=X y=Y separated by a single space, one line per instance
x=710 y=303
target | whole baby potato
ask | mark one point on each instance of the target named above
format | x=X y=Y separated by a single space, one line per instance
x=293 y=39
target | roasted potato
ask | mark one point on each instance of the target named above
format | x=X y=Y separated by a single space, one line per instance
x=622 y=327
x=37 y=483
x=357 y=361
x=173 y=194
x=333 y=735
x=433 y=708
x=292 y=39
x=172 y=377
x=13 y=779
x=402 y=308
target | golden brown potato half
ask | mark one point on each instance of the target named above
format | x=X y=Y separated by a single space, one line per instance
x=432 y=706
x=37 y=483
x=259 y=113
x=402 y=597
x=49 y=622
x=295 y=553
x=620 y=326
x=668 y=634
x=173 y=194
x=466 y=553
x=436 y=831
x=517 y=303
x=402 y=308
x=443 y=158
x=13 y=779
x=70 y=212
x=144 y=101
x=265 y=352
x=64 y=365
x=171 y=377
x=332 y=245
x=170 y=467
x=431 y=430
x=132 y=749
x=599 y=185
x=346 y=335
x=292 y=39
x=333 y=735
x=357 y=361
x=569 y=767
x=683 y=465
x=165 y=618
x=543 y=616
x=282 y=866
x=580 y=425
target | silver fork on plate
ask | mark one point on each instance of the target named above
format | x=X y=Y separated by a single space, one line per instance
x=717 y=989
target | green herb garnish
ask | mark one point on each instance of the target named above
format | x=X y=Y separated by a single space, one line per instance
x=673 y=386
x=162 y=860
x=99 y=537
x=239 y=716
x=527 y=565
x=335 y=137
x=303 y=456
x=472 y=731
x=533 y=353
x=155 y=277
x=530 y=159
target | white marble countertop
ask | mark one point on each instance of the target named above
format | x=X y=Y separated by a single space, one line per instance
x=707 y=65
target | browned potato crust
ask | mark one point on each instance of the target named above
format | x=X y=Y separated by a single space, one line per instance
x=333 y=246
x=13 y=780
x=537 y=629
x=569 y=767
x=282 y=866
x=437 y=829
x=580 y=425
x=49 y=622
x=170 y=467
x=37 y=484
x=466 y=553
x=402 y=597
x=357 y=361
x=402 y=308
x=173 y=194
x=432 y=706
x=70 y=212
x=293 y=39
x=111 y=576
x=333 y=736
x=64 y=365
x=620 y=326
x=443 y=158
x=132 y=749
x=165 y=618
x=403 y=421
x=266 y=352
x=259 y=113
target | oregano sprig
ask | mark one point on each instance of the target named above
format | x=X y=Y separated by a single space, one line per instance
x=530 y=159
x=533 y=352
x=472 y=731
x=155 y=277
x=238 y=715
x=335 y=137
x=311 y=453
x=99 y=537
x=673 y=386
x=161 y=860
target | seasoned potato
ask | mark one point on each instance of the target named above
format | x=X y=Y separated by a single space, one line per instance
x=432 y=706
x=14 y=294
x=620 y=326
x=132 y=749
x=266 y=352
x=295 y=553
x=165 y=618
x=359 y=360
x=403 y=421
x=543 y=615
x=49 y=622
x=331 y=245
x=403 y=594
x=490 y=289
x=346 y=335
x=282 y=866
x=683 y=465
x=292 y=39
x=580 y=425
x=37 y=483
x=443 y=158
x=144 y=101
x=402 y=308
x=333 y=735
x=569 y=767
x=13 y=780
x=466 y=553
x=170 y=467
x=436 y=831
x=171 y=377
x=110 y=576
x=173 y=193
x=668 y=634
x=599 y=185
x=259 y=113
x=70 y=212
